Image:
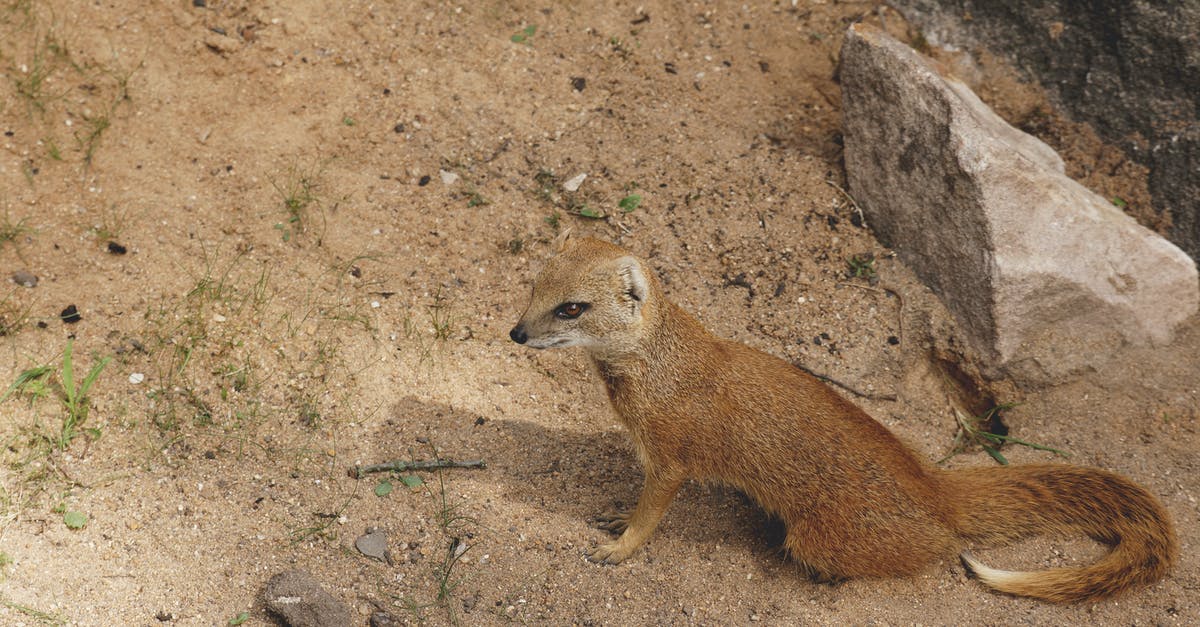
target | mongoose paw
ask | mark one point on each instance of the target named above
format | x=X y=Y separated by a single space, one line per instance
x=613 y=521
x=610 y=553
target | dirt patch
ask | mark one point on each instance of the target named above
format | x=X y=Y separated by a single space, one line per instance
x=301 y=233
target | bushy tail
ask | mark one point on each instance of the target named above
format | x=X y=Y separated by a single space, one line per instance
x=999 y=504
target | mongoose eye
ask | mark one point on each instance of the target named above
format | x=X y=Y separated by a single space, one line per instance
x=569 y=311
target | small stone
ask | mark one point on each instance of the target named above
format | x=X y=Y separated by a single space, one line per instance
x=423 y=181
x=399 y=128
x=572 y=184
x=70 y=315
x=136 y=377
x=220 y=43
x=300 y=600
x=25 y=279
x=218 y=318
x=116 y=249
x=578 y=83
x=383 y=619
x=374 y=545
x=448 y=178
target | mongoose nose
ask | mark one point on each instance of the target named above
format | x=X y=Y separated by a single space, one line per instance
x=518 y=334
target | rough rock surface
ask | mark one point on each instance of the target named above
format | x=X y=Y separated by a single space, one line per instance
x=1045 y=277
x=301 y=601
x=1130 y=68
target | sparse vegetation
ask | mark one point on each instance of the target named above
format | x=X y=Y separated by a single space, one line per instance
x=10 y=231
x=75 y=520
x=298 y=191
x=524 y=35
x=440 y=317
x=34 y=383
x=44 y=618
x=862 y=266
x=630 y=203
x=983 y=431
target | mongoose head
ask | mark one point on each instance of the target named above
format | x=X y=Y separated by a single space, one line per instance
x=592 y=294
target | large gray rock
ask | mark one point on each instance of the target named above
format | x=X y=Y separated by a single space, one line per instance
x=1129 y=68
x=1044 y=276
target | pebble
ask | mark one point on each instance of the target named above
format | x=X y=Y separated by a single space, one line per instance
x=448 y=178
x=383 y=619
x=574 y=182
x=136 y=378
x=374 y=545
x=26 y=279
x=117 y=249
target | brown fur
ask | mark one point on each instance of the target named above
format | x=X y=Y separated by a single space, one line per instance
x=856 y=501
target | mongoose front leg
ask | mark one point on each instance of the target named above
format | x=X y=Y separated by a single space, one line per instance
x=657 y=493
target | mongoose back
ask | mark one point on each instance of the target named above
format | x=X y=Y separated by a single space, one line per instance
x=855 y=500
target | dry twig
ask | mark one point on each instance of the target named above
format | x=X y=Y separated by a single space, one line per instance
x=402 y=466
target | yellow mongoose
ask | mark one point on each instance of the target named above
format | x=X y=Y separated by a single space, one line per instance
x=855 y=500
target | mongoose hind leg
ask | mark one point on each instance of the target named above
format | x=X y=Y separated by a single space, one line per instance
x=657 y=493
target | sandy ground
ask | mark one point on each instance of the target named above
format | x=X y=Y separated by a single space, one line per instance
x=324 y=218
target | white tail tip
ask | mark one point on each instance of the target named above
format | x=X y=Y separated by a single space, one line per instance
x=993 y=577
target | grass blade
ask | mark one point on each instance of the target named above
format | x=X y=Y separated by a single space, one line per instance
x=68 y=374
x=91 y=377
x=23 y=379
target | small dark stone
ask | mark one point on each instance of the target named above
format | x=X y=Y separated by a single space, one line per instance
x=210 y=455
x=578 y=82
x=422 y=439
x=399 y=128
x=200 y=4
x=117 y=249
x=162 y=616
x=424 y=181
x=387 y=91
x=9 y=133
x=41 y=324
x=356 y=272
x=817 y=340
x=893 y=340
x=670 y=67
x=764 y=66
x=480 y=421
x=70 y=315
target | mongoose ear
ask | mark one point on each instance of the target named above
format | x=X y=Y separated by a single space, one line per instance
x=633 y=279
x=561 y=242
